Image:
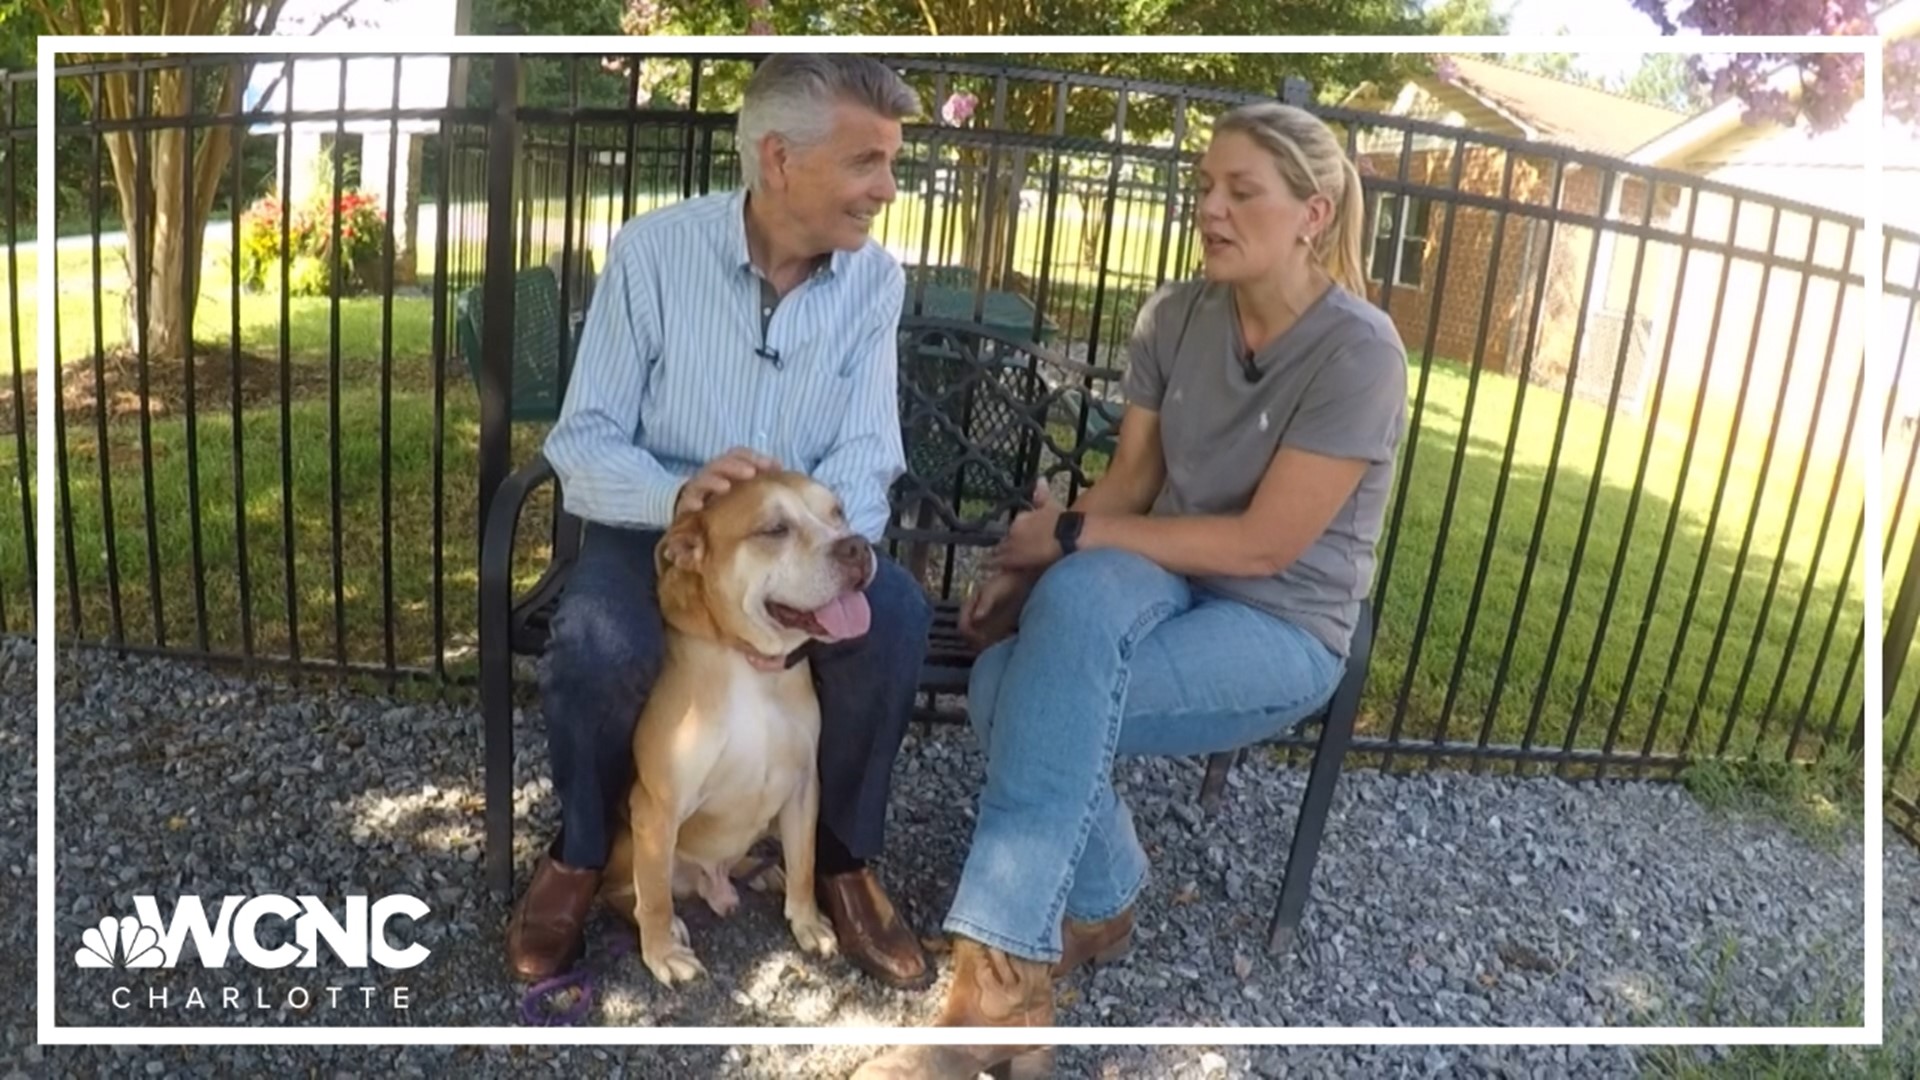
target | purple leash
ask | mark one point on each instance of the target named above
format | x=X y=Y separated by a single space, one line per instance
x=533 y=1011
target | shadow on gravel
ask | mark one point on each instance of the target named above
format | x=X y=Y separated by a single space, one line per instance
x=1440 y=899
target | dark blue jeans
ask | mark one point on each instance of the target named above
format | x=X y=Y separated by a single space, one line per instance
x=605 y=651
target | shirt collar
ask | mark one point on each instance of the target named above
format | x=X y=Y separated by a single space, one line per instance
x=836 y=262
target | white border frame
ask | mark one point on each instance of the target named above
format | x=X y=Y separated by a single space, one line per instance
x=1870 y=1033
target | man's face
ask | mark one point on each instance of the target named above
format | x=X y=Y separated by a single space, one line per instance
x=833 y=189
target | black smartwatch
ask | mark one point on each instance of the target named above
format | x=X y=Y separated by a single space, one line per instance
x=1066 y=530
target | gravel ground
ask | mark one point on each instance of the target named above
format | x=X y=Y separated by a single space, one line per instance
x=1441 y=899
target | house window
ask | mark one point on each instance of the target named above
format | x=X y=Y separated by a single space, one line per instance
x=1407 y=263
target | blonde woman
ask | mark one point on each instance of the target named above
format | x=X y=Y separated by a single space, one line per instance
x=1200 y=596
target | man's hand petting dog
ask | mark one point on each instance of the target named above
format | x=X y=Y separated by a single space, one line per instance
x=719 y=476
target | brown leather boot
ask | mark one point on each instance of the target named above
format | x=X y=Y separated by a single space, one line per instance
x=547 y=932
x=1099 y=942
x=990 y=988
x=872 y=934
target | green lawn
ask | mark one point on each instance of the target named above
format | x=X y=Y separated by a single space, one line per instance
x=1133 y=263
x=80 y=300
x=1547 y=700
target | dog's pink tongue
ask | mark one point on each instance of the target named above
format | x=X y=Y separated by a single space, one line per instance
x=846 y=617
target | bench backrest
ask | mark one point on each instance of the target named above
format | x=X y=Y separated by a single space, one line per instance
x=536 y=340
x=984 y=414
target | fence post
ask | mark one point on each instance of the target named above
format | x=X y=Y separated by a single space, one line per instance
x=496 y=341
x=1899 y=637
x=496 y=417
x=1295 y=90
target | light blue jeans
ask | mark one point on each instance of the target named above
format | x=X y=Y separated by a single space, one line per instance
x=1115 y=656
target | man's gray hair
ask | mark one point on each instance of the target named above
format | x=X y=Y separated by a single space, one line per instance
x=793 y=94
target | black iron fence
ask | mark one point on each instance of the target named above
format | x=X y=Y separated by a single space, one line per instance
x=1627 y=532
x=17 y=573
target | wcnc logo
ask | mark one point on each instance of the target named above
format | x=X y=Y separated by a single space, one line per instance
x=146 y=940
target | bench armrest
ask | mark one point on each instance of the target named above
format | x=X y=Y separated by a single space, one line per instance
x=503 y=520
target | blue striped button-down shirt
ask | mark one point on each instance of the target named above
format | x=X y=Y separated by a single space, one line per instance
x=672 y=371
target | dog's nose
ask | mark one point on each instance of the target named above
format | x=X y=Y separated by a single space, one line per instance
x=851 y=550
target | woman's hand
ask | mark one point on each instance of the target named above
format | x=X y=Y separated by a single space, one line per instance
x=993 y=608
x=1029 y=544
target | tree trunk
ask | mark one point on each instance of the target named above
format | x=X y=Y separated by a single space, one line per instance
x=992 y=216
x=165 y=221
x=173 y=232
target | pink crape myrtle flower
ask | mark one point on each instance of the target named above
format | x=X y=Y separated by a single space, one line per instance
x=958 y=108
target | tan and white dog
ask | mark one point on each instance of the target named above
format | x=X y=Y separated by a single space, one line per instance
x=724 y=750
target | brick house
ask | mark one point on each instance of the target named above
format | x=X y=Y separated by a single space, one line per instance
x=1718 y=325
x=1440 y=307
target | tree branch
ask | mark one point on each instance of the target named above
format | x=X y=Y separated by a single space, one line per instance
x=203 y=20
x=55 y=26
x=271 y=15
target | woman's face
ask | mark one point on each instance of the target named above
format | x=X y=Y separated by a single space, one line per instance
x=1250 y=222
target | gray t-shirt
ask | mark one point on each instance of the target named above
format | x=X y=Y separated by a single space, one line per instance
x=1334 y=383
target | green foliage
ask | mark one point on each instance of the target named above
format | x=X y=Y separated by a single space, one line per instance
x=260 y=242
x=1332 y=74
x=19 y=29
x=1662 y=79
x=1820 y=802
x=310 y=241
x=547 y=16
x=547 y=81
x=308 y=275
x=1461 y=17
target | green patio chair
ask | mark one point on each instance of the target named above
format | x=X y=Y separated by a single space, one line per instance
x=536 y=342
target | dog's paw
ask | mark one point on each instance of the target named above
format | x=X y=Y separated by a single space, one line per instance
x=814 y=934
x=674 y=965
x=672 y=961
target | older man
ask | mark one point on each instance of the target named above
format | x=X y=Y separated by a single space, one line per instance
x=729 y=333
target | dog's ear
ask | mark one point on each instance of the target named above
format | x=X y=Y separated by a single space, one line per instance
x=684 y=546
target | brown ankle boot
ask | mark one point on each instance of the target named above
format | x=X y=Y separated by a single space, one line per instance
x=990 y=988
x=1100 y=942
x=547 y=932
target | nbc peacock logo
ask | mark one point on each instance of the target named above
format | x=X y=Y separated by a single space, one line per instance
x=122 y=943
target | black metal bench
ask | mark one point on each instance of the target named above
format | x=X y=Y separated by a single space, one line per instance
x=983 y=415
